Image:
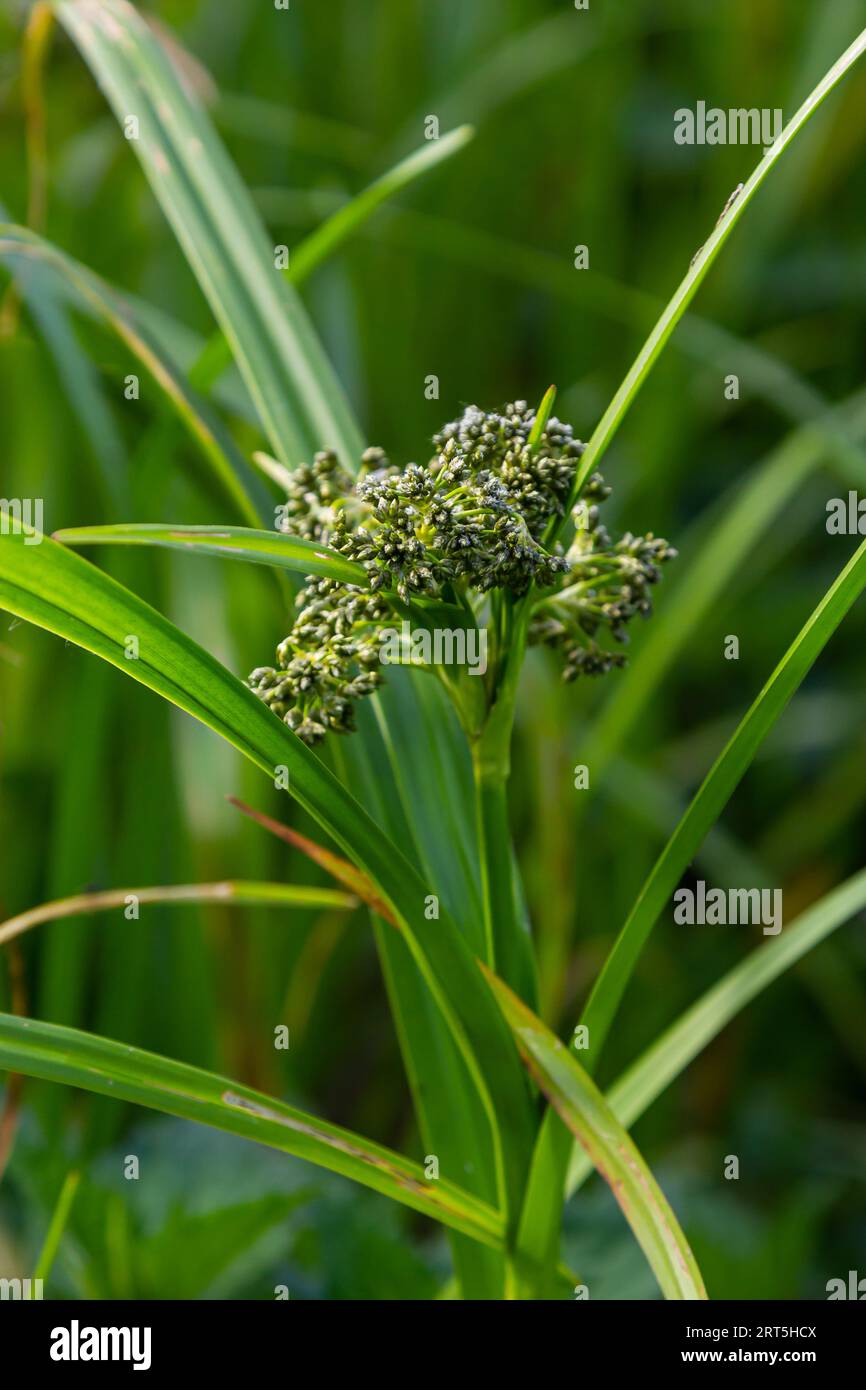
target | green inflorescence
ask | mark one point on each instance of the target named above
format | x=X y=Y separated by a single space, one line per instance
x=470 y=524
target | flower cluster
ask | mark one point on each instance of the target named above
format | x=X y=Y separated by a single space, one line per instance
x=476 y=518
x=535 y=480
x=608 y=584
x=476 y=514
x=315 y=496
x=328 y=660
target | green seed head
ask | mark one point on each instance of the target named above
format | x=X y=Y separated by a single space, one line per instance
x=469 y=524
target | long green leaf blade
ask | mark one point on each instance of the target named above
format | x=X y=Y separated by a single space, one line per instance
x=249 y=893
x=702 y=262
x=338 y=228
x=541 y=1215
x=65 y=1055
x=715 y=792
x=290 y=383
x=584 y=1109
x=262 y=548
x=540 y=1219
x=669 y=1056
x=55 y=589
x=22 y=248
x=237 y=542
x=286 y=372
x=451 y=1122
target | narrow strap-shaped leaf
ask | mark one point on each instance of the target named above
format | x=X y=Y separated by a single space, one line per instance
x=264 y=548
x=18 y=247
x=300 y=401
x=53 y=587
x=697 y=271
x=715 y=792
x=247 y=892
x=73 y=1058
x=237 y=542
x=338 y=868
x=322 y=243
x=541 y=1217
x=584 y=1109
x=451 y=1121
x=330 y=234
x=669 y=1056
x=59 y=1219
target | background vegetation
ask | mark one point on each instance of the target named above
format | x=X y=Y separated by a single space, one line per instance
x=469 y=276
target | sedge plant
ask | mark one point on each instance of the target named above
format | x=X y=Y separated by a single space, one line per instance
x=497 y=542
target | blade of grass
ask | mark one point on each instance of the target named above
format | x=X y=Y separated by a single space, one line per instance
x=324 y=241
x=286 y=374
x=235 y=542
x=299 y=399
x=714 y=793
x=718 y=559
x=17 y=244
x=508 y=943
x=685 y=292
x=59 y=1219
x=72 y=1058
x=249 y=893
x=338 y=868
x=832 y=800
x=540 y=1219
x=55 y=589
x=384 y=761
x=447 y=860
x=610 y=1150
x=669 y=1056
x=713 y=557
x=265 y=548
x=542 y=415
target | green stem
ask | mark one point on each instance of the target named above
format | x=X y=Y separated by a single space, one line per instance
x=495 y=850
x=508 y=945
x=508 y=948
x=539 y=1230
x=58 y=1225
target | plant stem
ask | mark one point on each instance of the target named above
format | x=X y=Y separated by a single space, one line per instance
x=508 y=945
x=58 y=1225
x=508 y=949
x=495 y=850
